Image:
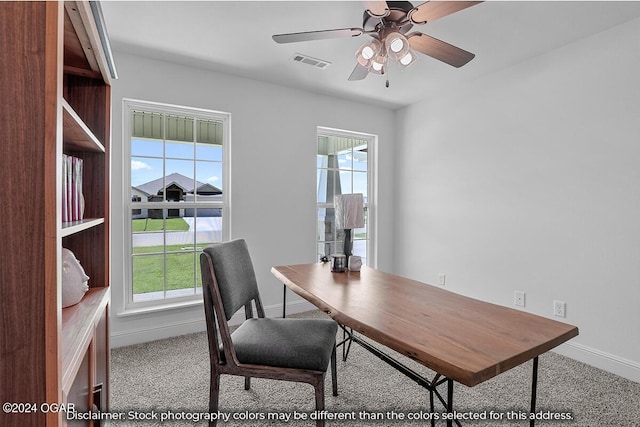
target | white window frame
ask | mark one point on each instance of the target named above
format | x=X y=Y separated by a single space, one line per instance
x=372 y=190
x=132 y=307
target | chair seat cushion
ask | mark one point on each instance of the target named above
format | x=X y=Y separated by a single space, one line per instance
x=286 y=343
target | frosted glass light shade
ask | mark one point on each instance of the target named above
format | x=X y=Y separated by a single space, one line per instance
x=408 y=59
x=378 y=63
x=397 y=45
x=367 y=52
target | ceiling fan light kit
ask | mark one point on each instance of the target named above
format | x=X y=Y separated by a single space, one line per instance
x=387 y=23
x=374 y=56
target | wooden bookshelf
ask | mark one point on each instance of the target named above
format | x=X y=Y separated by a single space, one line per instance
x=55 y=76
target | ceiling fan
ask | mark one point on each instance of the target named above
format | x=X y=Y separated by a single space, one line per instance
x=388 y=23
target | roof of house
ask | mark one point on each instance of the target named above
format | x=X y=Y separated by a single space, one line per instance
x=188 y=185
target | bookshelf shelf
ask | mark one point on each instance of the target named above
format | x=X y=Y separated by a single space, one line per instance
x=76 y=134
x=69 y=228
x=78 y=322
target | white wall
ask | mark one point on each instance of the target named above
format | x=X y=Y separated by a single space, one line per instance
x=273 y=174
x=529 y=179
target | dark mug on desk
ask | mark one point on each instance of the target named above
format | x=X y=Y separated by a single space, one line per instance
x=339 y=263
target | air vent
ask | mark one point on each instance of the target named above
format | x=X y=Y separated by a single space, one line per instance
x=315 y=62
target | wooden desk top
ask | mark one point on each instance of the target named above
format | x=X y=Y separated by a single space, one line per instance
x=467 y=340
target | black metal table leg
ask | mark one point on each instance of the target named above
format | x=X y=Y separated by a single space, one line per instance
x=344 y=343
x=450 y=401
x=284 y=301
x=534 y=388
x=347 y=338
x=350 y=336
x=432 y=408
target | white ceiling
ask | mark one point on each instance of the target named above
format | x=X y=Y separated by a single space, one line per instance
x=235 y=37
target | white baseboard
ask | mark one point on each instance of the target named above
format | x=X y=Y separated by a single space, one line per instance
x=608 y=362
x=157 y=332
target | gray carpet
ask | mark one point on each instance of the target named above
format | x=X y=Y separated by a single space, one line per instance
x=170 y=378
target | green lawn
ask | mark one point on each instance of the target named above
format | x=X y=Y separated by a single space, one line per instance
x=148 y=272
x=181 y=262
x=150 y=224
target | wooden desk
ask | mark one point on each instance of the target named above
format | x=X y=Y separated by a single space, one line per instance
x=460 y=338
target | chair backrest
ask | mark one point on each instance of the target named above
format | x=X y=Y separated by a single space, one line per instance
x=234 y=274
x=228 y=283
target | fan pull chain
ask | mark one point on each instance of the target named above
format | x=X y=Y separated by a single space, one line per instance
x=387 y=76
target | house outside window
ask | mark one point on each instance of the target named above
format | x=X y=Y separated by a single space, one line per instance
x=345 y=165
x=178 y=201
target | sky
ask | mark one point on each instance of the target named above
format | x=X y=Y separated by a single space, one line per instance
x=147 y=163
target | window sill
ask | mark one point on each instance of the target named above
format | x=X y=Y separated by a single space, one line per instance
x=159 y=308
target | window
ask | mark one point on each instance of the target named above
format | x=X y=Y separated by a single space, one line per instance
x=178 y=197
x=344 y=162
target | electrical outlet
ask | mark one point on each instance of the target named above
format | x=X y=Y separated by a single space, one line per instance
x=560 y=308
x=519 y=299
x=441 y=279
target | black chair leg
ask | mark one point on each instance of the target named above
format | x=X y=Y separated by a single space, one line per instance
x=334 y=372
x=247 y=383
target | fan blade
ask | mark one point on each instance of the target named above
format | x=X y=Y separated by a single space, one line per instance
x=432 y=10
x=317 y=35
x=439 y=50
x=377 y=9
x=358 y=73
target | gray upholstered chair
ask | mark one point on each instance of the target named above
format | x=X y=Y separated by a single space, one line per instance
x=282 y=349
